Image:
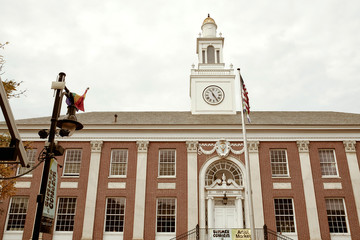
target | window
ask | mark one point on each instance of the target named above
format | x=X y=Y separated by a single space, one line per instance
x=66 y=214
x=17 y=213
x=31 y=154
x=72 y=162
x=279 y=163
x=284 y=214
x=203 y=56
x=328 y=162
x=167 y=162
x=336 y=215
x=115 y=215
x=210 y=54
x=166 y=215
x=217 y=56
x=118 y=165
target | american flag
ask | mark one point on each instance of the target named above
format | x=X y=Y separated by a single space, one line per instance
x=245 y=99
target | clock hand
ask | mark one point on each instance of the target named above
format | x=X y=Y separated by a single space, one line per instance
x=212 y=93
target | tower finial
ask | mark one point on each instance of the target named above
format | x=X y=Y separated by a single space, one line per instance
x=208 y=14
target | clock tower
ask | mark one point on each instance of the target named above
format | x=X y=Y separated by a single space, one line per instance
x=212 y=86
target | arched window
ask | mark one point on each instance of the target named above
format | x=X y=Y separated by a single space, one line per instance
x=210 y=54
x=217 y=169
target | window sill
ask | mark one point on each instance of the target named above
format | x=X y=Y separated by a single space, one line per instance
x=70 y=176
x=162 y=177
x=282 y=177
x=329 y=177
x=117 y=176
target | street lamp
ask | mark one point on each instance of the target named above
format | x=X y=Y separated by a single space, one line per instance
x=67 y=126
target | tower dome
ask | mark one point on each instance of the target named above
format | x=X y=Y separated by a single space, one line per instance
x=209 y=27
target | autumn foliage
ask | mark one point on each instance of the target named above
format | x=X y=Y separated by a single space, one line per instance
x=7 y=187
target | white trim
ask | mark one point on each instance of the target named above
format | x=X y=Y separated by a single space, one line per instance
x=355 y=179
x=336 y=165
x=333 y=185
x=287 y=163
x=167 y=176
x=294 y=216
x=346 y=218
x=22 y=184
x=116 y=185
x=202 y=196
x=166 y=186
x=117 y=234
x=127 y=161
x=309 y=193
x=156 y=215
x=69 y=185
x=282 y=185
x=65 y=158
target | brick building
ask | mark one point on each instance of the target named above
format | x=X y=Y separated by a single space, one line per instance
x=156 y=175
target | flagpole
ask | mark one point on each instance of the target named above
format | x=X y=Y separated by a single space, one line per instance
x=247 y=164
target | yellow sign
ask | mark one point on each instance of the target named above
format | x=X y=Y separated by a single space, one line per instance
x=241 y=234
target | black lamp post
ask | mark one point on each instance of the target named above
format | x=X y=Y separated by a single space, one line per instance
x=68 y=125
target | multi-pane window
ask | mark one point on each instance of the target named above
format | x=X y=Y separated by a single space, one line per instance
x=166 y=215
x=336 y=215
x=31 y=155
x=115 y=214
x=66 y=214
x=167 y=162
x=328 y=162
x=72 y=162
x=119 y=159
x=17 y=213
x=284 y=215
x=279 y=163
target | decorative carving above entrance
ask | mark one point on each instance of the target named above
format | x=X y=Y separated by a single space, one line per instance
x=222 y=148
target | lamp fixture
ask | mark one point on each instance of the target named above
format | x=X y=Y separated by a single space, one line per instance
x=225 y=199
x=69 y=124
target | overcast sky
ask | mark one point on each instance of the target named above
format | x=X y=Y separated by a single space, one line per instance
x=137 y=55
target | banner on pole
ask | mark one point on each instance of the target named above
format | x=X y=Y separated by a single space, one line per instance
x=48 y=214
x=230 y=234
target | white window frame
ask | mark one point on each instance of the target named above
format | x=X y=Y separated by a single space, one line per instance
x=106 y=207
x=346 y=217
x=126 y=163
x=31 y=155
x=159 y=163
x=8 y=213
x=335 y=162
x=294 y=216
x=57 y=213
x=64 y=174
x=287 y=164
x=175 y=215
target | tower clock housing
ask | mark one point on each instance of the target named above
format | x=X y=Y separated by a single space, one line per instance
x=212 y=88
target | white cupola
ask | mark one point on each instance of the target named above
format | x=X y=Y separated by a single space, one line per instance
x=209 y=27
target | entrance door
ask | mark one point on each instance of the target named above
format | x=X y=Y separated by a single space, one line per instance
x=225 y=217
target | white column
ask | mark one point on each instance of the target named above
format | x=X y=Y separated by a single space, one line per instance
x=192 y=185
x=309 y=191
x=350 y=149
x=140 y=190
x=253 y=147
x=92 y=186
x=210 y=208
x=239 y=211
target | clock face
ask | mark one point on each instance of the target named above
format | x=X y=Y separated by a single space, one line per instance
x=213 y=95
